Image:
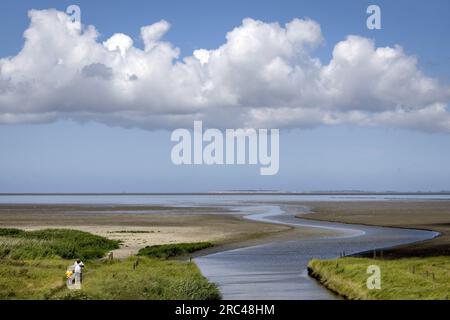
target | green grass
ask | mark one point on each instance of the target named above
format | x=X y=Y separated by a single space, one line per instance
x=409 y=279
x=33 y=265
x=152 y=279
x=53 y=243
x=31 y=279
x=167 y=251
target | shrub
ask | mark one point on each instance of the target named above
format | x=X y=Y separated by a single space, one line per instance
x=166 y=251
x=67 y=244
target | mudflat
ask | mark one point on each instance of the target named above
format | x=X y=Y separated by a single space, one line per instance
x=140 y=226
x=428 y=215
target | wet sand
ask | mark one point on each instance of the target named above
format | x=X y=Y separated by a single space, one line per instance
x=140 y=226
x=426 y=215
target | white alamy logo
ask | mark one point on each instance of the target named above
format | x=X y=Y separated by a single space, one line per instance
x=374 y=20
x=235 y=146
x=374 y=281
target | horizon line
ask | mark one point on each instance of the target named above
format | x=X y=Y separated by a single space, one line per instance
x=237 y=192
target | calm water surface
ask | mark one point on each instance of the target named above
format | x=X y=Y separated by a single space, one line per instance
x=278 y=270
x=128 y=199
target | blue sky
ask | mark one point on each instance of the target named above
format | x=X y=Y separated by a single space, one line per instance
x=69 y=156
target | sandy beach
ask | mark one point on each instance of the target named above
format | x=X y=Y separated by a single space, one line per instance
x=139 y=226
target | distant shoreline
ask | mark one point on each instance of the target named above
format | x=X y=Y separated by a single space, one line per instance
x=331 y=193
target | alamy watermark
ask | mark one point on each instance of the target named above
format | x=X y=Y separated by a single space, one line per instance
x=74 y=12
x=374 y=280
x=374 y=20
x=232 y=147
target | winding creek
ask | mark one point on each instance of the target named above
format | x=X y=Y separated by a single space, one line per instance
x=278 y=270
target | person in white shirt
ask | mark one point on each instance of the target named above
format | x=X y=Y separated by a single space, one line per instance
x=78 y=271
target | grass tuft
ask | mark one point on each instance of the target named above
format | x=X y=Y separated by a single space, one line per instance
x=167 y=251
x=52 y=243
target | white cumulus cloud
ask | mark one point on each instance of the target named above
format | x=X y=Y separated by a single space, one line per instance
x=264 y=75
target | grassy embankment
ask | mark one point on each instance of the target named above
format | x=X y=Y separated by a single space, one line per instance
x=416 y=271
x=401 y=279
x=32 y=266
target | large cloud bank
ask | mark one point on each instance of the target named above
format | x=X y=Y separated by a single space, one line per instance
x=264 y=75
